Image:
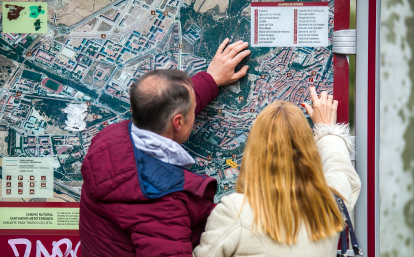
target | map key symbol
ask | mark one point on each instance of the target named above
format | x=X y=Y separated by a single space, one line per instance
x=8 y=177
x=32 y=191
x=8 y=191
x=8 y=184
x=20 y=177
x=20 y=191
x=32 y=177
x=20 y=184
x=31 y=184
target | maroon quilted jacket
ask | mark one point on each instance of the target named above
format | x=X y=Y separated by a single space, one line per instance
x=136 y=205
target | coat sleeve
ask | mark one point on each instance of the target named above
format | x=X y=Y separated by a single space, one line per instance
x=205 y=89
x=161 y=228
x=223 y=231
x=334 y=146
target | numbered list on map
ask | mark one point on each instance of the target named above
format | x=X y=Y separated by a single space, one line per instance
x=289 y=24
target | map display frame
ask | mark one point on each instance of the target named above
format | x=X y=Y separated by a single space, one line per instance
x=59 y=89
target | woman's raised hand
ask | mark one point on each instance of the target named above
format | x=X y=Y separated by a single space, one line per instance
x=324 y=108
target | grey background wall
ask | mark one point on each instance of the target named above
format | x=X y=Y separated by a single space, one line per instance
x=397 y=129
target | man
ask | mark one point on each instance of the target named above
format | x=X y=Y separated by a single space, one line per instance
x=138 y=196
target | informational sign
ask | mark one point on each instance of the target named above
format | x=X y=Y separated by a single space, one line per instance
x=39 y=218
x=289 y=24
x=24 y=17
x=27 y=177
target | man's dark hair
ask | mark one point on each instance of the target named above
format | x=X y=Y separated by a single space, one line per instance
x=158 y=96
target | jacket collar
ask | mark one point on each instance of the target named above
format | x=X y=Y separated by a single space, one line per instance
x=161 y=148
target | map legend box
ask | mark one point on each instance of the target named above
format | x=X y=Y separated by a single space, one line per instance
x=25 y=174
x=289 y=24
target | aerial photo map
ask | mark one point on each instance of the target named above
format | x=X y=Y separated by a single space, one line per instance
x=60 y=88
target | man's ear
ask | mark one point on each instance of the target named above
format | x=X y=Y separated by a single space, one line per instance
x=178 y=122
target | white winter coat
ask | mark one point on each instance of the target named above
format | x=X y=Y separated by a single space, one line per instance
x=225 y=236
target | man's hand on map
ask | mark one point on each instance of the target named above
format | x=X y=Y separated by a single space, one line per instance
x=225 y=61
x=324 y=108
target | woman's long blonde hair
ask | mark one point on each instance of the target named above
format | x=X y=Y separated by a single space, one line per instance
x=281 y=176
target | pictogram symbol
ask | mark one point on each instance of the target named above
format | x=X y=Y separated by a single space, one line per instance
x=32 y=191
x=88 y=103
x=8 y=191
x=8 y=184
x=43 y=178
x=180 y=46
x=219 y=111
x=153 y=12
x=20 y=184
x=313 y=73
x=241 y=98
x=31 y=184
x=32 y=177
x=8 y=177
x=18 y=93
x=209 y=157
x=289 y=75
x=251 y=110
x=20 y=177
x=165 y=13
x=43 y=184
x=95 y=116
x=105 y=124
x=103 y=36
x=262 y=76
x=29 y=54
x=234 y=155
x=20 y=191
x=310 y=80
x=301 y=90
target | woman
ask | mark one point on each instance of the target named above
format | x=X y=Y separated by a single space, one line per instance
x=284 y=205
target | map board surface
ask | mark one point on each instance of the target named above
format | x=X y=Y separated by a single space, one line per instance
x=59 y=89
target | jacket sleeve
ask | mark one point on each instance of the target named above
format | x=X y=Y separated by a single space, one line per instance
x=157 y=229
x=223 y=231
x=205 y=89
x=199 y=209
x=334 y=146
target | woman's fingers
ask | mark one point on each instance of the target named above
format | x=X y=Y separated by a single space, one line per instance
x=308 y=108
x=314 y=95
x=334 y=109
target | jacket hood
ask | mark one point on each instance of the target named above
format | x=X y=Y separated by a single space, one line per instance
x=114 y=170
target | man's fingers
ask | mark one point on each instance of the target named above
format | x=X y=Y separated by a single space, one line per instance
x=237 y=49
x=240 y=56
x=314 y=95
x=241 y=73
x=222 y=46
x=308 y=108
x=230 y=47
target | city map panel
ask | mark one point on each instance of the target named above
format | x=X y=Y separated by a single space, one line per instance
x=59 y=89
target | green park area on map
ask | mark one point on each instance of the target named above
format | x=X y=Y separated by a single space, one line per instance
x=24 y=17
x=60 y=89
